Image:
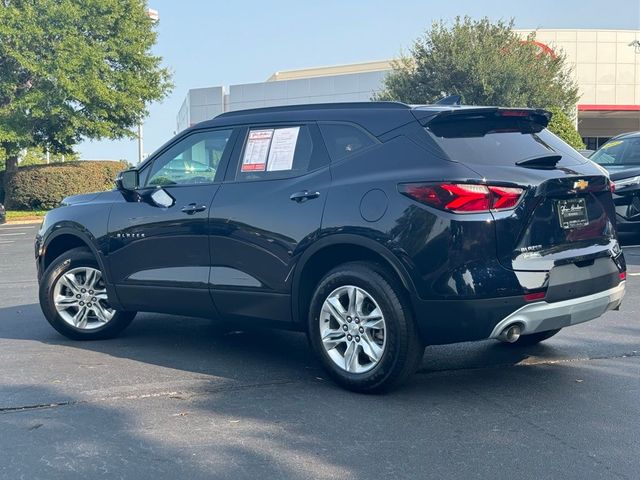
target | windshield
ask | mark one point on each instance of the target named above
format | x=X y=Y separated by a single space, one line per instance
x=619 y=153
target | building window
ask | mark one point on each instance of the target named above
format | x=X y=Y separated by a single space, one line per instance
x=594 y=143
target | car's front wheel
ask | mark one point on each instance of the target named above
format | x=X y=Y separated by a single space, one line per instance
x=73 y=298
x=362 y=328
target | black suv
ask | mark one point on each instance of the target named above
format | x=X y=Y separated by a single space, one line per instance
x=377 y=228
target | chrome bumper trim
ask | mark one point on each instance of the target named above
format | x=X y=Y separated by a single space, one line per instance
x=541 y=316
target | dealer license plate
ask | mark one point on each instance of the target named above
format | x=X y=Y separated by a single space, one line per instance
x=573 y=213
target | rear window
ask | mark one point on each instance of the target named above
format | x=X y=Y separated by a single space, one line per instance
x=500 y=146
x=624 y=151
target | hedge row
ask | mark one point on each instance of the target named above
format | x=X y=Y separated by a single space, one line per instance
x=41 y=187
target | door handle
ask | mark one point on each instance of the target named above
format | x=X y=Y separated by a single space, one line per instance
x=303 y=196
x=193 y=208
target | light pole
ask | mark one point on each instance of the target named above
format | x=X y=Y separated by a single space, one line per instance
x=154 y=16
x=140 y=143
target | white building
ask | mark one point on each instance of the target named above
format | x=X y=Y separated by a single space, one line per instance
x=605 y=63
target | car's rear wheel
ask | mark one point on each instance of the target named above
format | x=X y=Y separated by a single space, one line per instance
x=362 y=328
x=73 y=298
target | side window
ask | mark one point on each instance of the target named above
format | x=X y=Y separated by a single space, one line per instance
x=143 y=175
x=193 y=160
x=343 y=139
x=632 y=155
x=610 y=153
x=277 y=152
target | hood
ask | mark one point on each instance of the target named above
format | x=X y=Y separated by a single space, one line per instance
x=82 y=198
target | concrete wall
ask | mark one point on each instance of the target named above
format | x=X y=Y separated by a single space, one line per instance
x=201 y=104
x=605 y=66
x=355 y=87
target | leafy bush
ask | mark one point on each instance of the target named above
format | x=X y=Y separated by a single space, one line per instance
x=563 y=127
x=41 y=187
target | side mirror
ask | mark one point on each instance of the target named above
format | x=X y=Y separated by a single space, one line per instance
x=127 y=180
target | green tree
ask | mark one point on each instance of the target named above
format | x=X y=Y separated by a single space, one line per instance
x=485 y=63
x=562 y=125
x=74 y=69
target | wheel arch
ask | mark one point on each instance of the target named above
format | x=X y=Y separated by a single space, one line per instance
x=331 y=252
x=65 y=238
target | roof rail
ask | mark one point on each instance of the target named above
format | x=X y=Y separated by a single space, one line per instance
x=317 y=106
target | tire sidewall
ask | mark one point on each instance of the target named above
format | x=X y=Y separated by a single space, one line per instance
x=395 y=316
x=73 y=259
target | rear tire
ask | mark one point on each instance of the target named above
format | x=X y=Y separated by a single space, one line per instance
x=371 y=343
x=534 y=338
x=73 y=298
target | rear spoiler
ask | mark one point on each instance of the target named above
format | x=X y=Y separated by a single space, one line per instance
x=474 y=121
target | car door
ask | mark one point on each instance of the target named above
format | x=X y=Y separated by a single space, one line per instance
x=158 y=236
x=266 y=213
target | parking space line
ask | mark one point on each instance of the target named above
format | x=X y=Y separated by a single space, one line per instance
x=4 y=243
x=11 y=227
x=9 y=234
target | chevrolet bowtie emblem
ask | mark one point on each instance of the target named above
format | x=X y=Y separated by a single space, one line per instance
x=580 y=185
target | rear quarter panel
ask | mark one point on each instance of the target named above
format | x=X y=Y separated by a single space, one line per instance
x=445 y=255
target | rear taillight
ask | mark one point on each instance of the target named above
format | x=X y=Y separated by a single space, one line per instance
x=463 y=197
x=532 y=297
x=623 y=276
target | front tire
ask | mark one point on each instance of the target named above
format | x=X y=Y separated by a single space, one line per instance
x=362 y=328
x=74 y=299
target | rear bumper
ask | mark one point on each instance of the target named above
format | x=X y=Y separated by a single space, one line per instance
x=542 y=316
x=463 y=320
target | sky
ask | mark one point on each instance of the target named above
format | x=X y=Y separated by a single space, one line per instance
x=211 y=42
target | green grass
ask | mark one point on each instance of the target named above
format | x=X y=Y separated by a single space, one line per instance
x=17 y=215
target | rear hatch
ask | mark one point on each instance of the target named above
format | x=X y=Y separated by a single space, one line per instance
x=565 y=214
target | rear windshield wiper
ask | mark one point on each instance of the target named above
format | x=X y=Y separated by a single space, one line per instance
x=543 y=161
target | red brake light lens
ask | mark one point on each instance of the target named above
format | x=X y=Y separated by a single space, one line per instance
x=505 y=197
x=532 y=297
x=463 y=197
x=623 y=276
x=467 y=198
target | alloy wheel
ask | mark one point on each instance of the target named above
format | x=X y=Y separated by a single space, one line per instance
x=80 y=297
x=352 y=328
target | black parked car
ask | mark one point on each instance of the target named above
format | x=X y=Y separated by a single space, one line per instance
x=3 y=214
x=377 y=228
x=621 y=157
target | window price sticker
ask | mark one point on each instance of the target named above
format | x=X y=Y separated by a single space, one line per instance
x=282 y=149
x=257 y=151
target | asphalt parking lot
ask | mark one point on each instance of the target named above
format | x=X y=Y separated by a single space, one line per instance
x=180 y=397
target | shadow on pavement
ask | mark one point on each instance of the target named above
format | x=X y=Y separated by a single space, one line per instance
x=259 y=408
x=249 y=355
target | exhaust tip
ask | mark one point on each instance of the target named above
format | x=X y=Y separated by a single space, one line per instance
x=511 y=334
